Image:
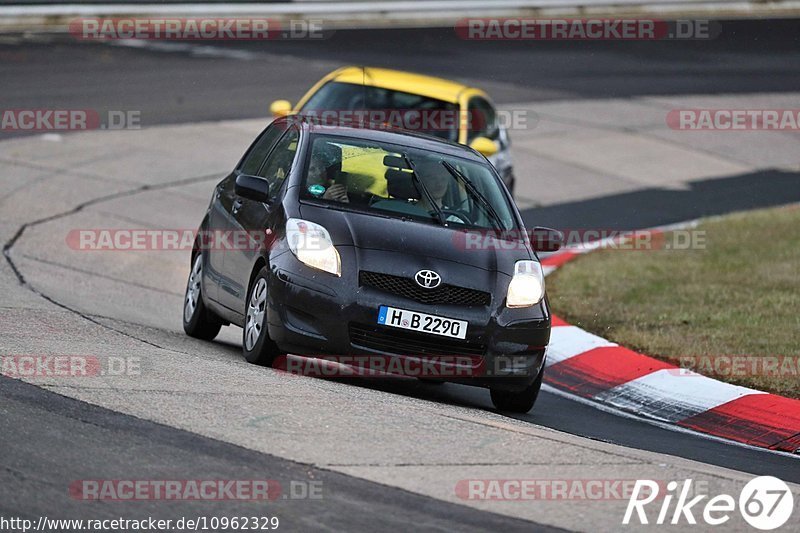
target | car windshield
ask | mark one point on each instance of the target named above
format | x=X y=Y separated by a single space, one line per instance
x=399 y=109
x=376 y=177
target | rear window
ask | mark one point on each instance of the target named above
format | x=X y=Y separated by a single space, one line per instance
x=400 y=109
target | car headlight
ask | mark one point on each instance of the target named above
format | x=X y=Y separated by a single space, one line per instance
x=312 y=245
x=527 y=285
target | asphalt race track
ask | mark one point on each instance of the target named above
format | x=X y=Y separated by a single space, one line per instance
x=173 y=83
x=384 y=452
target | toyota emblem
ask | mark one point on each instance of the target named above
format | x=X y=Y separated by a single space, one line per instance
x=428 y=279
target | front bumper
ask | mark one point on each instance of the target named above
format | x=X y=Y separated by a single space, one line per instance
x=312 y=313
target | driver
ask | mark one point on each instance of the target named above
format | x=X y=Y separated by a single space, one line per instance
x=437 y=180
x=324 y=168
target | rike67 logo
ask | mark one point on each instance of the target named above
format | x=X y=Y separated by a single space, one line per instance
x=766 y=503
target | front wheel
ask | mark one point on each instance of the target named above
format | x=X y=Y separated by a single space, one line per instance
x=518 y=401
x=257 y=347
x=198 y=321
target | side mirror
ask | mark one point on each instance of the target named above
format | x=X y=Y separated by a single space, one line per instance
x=280 y=108
x=483 y=145
x=252 y=188
x=546 y=239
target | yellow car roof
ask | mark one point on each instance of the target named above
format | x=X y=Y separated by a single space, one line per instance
x=432 y=87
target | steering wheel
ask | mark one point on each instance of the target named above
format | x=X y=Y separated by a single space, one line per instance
x=458 y=214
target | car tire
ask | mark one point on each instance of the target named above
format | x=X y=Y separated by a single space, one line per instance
x=198 y=321
x=517 y=401
x=257 y=347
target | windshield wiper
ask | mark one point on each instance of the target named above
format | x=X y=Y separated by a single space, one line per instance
x=424 y=190
x=476 y=193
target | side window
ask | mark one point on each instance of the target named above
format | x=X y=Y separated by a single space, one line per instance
x=276 y=168
x=260 y=149
x=482 y=120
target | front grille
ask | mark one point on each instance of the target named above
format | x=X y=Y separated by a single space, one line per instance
x=408 y=288
x=401 y=342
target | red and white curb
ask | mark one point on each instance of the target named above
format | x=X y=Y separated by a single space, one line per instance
x=602 y=372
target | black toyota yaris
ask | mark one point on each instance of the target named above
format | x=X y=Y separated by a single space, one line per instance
x=356 y=241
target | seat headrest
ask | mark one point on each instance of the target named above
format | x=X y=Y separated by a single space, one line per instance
x=400 y=185
x=331 y=154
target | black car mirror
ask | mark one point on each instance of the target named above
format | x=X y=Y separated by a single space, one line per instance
x=546 y=239
x=252 y=188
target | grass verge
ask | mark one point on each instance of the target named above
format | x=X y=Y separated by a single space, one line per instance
x=729 y=309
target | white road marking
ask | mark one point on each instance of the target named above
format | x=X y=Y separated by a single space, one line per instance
x=195 y=50
x=569 y=341
x=672 y=395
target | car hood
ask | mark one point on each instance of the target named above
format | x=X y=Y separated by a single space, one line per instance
x=410 y=238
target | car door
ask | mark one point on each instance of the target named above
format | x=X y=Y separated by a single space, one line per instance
x=221 y=216
x=212 y=256
x=250 y=219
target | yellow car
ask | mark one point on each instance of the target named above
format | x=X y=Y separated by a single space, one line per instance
x=435 y=106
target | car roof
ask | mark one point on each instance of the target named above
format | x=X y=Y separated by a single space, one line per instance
x=396 y=136
x=398 y=80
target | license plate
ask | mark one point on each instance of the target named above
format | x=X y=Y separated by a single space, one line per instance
x=435 y=325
